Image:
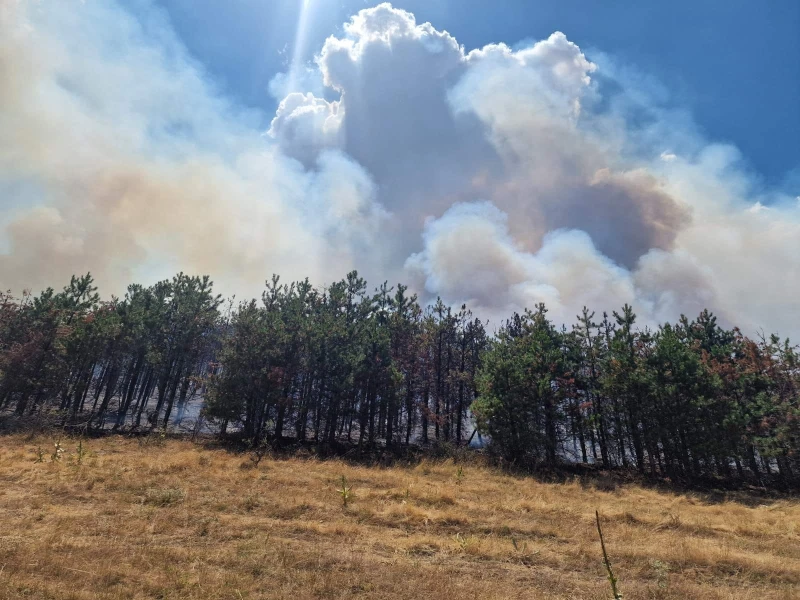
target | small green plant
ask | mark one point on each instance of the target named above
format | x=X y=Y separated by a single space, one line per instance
x=82 y=452
x=662 y=572
x=459 y=475
x=611 y=579
x=58 y=452
x=39 y=455
x=164 y=496
x=345 y=492
x=465 y=542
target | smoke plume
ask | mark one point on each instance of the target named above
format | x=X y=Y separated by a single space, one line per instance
x=499 y=177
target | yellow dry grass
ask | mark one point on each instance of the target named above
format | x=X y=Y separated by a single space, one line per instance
x=180 y=520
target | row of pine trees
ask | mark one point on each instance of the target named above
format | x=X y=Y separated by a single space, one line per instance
x=345 y=364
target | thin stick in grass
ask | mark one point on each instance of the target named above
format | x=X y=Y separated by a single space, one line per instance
x=611 y=579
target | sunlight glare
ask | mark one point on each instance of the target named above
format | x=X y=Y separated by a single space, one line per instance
x=300 y=40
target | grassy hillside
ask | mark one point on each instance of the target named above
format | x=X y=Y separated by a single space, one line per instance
x=171 y=519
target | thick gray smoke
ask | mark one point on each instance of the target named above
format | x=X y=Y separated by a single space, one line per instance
x=495 y=177
x=116 y=156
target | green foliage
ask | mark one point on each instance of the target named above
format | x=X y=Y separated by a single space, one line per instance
x=69 y=352
x=58 y=452
x=162 y=497
x=376 y=370
x=521 y=399
x=318 y=363
x=81 y=452
x=345 y=491
x=661 y=570
x=685 y=401
x=463 y=542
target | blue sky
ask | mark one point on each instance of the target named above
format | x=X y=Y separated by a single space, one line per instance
x=734 y=64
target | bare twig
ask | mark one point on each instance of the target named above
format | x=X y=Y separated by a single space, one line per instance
x=611 y=579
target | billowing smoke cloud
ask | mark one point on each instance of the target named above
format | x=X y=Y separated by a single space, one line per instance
x=436 y=125
x=470 y=256
x=118 y=156
x=496 y=177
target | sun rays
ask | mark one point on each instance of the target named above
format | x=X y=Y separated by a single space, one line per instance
x=300 y=43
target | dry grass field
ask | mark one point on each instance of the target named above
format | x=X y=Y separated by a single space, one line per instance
x=173 y=519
